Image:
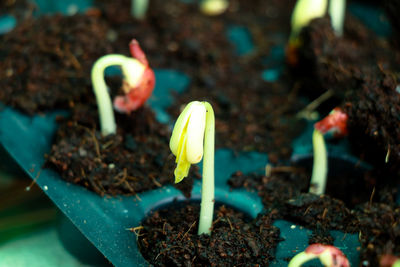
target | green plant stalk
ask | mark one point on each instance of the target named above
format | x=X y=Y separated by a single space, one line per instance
x=320 y=165
x=139 y=8
x=337 y=9
x=301 y=258
x=213 y=7
x=104 y=103
x=303 y=12
x=207 y=187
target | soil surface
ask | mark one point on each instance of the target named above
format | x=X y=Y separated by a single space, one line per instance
x=169 y=238
x=45 y=63
x=134 y=160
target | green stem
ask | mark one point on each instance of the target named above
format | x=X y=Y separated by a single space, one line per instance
x=104 y=103
x=139 y=8
x=320 y=165
x=300 y=259
x=207 y=187
x=337 y=10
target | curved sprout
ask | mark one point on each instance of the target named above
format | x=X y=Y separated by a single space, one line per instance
x=329 y=256
x=138 y=85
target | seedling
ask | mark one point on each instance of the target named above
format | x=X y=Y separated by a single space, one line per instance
x=320 y=164
x=337 y=9
x=303 y=12
x=335 y=124
x=213 y=7
x=329 y=256
x=194 y=125
x=139 y=8
x=307 y=10
x=138 y=85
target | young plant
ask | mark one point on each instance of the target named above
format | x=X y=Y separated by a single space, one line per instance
x=304 y=11
x=139 y=8
x=320 y=164
x=329 y=256
x=213 y=7
x=336 y=124
x=195 y=124
x=138 y=85
x=337 y=9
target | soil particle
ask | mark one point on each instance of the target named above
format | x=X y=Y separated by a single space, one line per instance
x=169 y=238
x=45 y=63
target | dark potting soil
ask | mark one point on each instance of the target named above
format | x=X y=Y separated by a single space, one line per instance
x=21 y=9
x=362 y=72
x=45 y=63
x=134 y=160
x=379 y=231
x=341 y=64
x=375 y=218
x=392 y=8
x=169 y=238
x=374 y=113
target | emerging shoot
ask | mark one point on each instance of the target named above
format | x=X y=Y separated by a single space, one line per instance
x=138 y=84
x=320 y=164
x=329 y=256
x=213 y=7
x=139 y=8
x=194 y=125
x=336 y=125
x=303 y=12
x=337 y=9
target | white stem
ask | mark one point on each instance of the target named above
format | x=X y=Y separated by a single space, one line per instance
x=320 y=165
x=139 y=8
x=303 y=12
x=104 y=103
x=337 y=10
x=207 y=187
x=300 y=259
